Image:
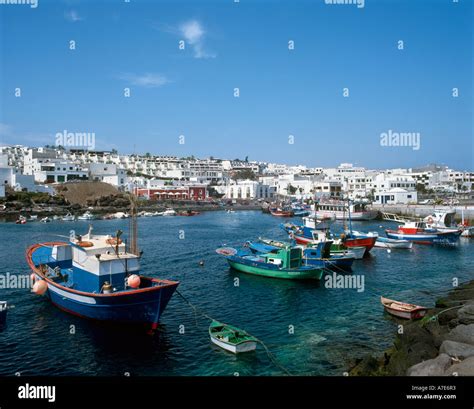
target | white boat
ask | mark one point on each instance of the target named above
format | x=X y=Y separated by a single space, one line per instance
x=385 y=242
x=231 y=338
x=356 y=233
x=45 y=220
x=169 y=212
x=86 y=216
x=340 y=210
x=33 y=217
x=69 y=218
x=313 y=222
x=120 y=215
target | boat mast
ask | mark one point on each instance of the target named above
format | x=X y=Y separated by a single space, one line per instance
x=133 y=225
x=349 y=210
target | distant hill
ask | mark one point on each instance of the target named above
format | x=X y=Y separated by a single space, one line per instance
x=85 y=193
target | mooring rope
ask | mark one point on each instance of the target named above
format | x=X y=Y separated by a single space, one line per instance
x=269 y=354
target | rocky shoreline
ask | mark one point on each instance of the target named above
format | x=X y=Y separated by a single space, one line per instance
x=10 y=215
x=441 y=344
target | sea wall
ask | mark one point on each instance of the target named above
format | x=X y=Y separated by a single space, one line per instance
x=442 y=343
x=425 y=210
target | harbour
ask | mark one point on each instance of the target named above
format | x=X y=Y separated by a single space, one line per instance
x=309 y=327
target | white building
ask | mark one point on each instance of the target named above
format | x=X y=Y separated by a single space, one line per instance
x=108 y=173
x=328 y=189
x=395 y=195
x=249 y=189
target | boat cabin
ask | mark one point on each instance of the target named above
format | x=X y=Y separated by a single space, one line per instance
x=288 y=257
x=88 y=262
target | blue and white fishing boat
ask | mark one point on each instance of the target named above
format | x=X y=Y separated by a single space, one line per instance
x=97 y=277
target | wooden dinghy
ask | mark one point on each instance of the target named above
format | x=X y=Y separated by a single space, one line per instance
x=403 y=310
x=230 y=338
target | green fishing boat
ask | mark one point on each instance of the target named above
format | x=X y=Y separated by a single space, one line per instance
x=231 y=338
x=286 y=263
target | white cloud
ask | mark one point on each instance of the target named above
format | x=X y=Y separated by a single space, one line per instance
x=194 y=33
x=149 y=80
x=72 y=16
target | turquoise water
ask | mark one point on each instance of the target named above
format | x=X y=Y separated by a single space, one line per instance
x=310 y=329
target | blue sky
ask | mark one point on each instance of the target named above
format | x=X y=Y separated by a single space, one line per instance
x=282 y=92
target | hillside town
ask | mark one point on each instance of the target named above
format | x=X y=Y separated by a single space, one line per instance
x=151 y=177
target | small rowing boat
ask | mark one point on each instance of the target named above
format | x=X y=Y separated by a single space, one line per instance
x=385 y=242
x=403 y=310
x=282 y=212
x=231 y=338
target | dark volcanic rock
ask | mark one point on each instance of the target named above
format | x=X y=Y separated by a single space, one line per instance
x=464 y=368
x=466 y=314
x=457 y=349
x=432 y=367
x=462 y=333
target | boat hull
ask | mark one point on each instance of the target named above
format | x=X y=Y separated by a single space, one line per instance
x=245 y=346
x=367 y=242
x=425 y=238
x=407 y=315
x=393 y=244
x=340 y=215
x=145 y=309
x=258 y=269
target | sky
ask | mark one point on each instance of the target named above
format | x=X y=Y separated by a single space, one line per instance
x=347 y=83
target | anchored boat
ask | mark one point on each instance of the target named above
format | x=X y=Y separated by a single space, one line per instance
x=385 y=242
x=98 y=277
x=279 y=212
x=403 y=310
x=419 y=232
x=284 y=263
x=338 y=209
x=318 y=255
x=231 y=338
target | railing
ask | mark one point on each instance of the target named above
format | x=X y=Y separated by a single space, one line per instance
x=392 y=217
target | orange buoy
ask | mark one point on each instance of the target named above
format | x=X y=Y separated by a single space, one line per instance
x=113 y=241
x=85 y=243
x=133 y=281
x=40 y=287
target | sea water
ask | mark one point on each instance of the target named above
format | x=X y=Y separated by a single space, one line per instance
x=309 y=328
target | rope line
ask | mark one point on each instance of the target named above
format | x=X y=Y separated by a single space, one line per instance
x=269 y=354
